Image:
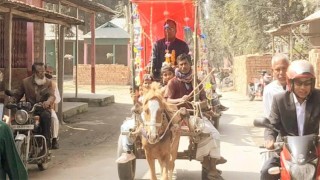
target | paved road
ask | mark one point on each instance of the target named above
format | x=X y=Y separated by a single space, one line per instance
x=89 y=143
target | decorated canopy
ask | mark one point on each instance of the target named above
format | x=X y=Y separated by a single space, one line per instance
x=152 y=15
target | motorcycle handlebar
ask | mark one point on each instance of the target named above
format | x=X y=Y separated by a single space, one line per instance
x=35 y=106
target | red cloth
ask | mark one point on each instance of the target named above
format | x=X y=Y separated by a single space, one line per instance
x=152 y=17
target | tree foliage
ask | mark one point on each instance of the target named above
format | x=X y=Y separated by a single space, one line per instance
x=237 y=27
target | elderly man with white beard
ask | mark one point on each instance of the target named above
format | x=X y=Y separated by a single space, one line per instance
x=37 y=88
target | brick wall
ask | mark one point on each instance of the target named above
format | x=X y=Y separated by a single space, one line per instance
x=248 y=67
x=314 y=59
x=106 y=74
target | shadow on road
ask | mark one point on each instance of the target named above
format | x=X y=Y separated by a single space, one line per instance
x=240 y=175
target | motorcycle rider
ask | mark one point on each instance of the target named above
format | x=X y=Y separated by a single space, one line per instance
x=295 y=111
x=37 y=88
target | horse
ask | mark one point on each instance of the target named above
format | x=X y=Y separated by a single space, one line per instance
x=160 y=140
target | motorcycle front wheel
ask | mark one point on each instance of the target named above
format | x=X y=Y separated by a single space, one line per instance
x=43 y=166
x=21 y=149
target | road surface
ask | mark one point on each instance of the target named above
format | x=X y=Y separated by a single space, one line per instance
x=89 y=143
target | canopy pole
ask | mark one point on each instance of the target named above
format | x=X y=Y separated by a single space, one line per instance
x=196 y=51
x=130 y=24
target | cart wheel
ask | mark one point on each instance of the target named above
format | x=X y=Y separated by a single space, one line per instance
x=126 y=171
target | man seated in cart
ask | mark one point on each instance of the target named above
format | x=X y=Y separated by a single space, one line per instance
x=178 y=91
x=167 y=49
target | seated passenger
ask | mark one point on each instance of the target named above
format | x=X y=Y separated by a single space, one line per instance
x=129 y=124
x=167 y=73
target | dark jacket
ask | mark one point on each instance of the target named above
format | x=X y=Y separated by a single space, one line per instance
x=35 y=93
x=284 y=117
x=158 y=53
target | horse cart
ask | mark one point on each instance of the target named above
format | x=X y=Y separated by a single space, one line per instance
x=146 y=21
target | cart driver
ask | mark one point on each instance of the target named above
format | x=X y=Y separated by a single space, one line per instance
x=177 y=91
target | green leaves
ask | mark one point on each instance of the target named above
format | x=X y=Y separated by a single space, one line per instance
x=237 y=27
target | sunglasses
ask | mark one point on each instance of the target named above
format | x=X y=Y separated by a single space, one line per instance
x=305 y=83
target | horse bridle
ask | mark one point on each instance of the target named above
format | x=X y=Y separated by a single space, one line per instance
x=160 y=136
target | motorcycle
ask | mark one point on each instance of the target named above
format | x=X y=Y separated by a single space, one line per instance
x=30 y=144
x=255 y=89
x=298 y=155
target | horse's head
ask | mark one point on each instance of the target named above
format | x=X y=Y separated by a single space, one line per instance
x=153 y=115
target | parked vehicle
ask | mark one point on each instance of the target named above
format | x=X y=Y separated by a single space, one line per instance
x=255 y=88
x=31 y=145
x=215 y=103
x=298 y=154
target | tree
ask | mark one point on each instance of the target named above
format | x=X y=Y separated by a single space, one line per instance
x=237 y=27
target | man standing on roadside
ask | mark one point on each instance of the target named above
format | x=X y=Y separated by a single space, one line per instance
x=54 y=117
x=280 y=64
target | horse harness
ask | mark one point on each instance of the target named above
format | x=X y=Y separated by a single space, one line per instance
x=165 y=116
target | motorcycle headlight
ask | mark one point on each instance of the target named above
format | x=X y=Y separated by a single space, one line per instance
x=305 y=171
x=21 y=116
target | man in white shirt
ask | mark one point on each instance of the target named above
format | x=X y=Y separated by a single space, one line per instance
x=54 y=117
x=279 y=63
x=295 y=111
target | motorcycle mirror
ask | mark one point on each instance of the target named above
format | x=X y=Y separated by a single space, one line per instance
x=262 y=122
x=11 y=106
x=8 y=92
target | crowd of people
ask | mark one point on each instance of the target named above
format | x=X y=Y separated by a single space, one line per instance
x=290 y=103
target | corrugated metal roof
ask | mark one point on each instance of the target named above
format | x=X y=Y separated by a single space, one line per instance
x=285 y=29
x=50 y=33
x=109 y=31
x=33 y=13
x=163 y=1
x=86 y=4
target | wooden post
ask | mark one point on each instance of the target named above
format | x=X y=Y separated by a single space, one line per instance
x=93 y=53
x=114 y=54
x=42 y=43
x=7 y=50
x=61 y=70
x=76 y=55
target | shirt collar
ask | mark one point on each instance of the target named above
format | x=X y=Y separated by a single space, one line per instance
x=295 y=99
